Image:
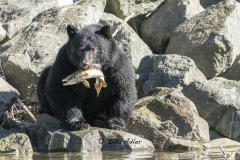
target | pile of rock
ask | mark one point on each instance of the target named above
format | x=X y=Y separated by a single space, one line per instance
x=182 y=94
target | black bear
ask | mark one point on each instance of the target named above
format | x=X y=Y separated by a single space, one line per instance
x=76 y=106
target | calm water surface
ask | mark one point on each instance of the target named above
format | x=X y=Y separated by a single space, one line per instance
x=108 y=155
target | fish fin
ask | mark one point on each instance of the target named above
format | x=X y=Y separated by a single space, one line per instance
x=104 y=84
x=98 y=88
x=85 y=75
x=86 y=84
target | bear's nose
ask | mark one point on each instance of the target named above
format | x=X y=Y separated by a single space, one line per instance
x=85 y=66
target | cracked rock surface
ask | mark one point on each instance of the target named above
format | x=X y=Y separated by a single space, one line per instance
x=17 y=14
x=93 y=139
x=14 y=142
x=210 y=39
x=8 y=96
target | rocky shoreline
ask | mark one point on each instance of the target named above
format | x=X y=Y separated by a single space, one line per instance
x=186 y=59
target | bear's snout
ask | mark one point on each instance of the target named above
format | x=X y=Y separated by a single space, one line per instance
x=86 y=60
x=86 y=66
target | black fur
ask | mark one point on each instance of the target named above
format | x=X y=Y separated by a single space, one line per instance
x=77 y=106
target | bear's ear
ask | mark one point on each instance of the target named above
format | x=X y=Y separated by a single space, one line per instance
x=105 y=30
x=71 y=30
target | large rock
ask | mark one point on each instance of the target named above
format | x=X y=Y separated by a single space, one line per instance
x=29 y=129
x=88 y=140
x=17 y=14
x=180 y=144
x=207 y=3
x=230 y=123
x=168 y=71
x=127 y=39
x=213 y=98
x=123 y=9
x=14 y=142
x=25 y=56
x=3 y=35
x=210 y=38
x=233 y=72
x=157 y=29
x=165 y=113
x=8 y=96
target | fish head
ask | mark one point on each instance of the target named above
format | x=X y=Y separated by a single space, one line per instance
x=90 y=45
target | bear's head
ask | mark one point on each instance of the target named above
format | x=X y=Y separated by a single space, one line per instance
x=89 y=45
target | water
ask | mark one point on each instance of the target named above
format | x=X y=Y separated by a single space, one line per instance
x=117 y=155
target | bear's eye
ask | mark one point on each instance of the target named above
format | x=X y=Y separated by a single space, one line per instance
x=92 y=48
x=80 y=50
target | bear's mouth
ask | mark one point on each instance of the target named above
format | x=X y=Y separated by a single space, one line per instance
x=95 y=65
x=85 y=66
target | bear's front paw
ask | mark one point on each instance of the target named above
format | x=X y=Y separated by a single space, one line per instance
x=78 y=126
x=116 y=123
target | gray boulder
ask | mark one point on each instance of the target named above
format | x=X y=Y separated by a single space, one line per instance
x=158 y=28
x=229 y=124
x=180 y=144
x=233 y=72
x=8 y=96
x=14 y=142
x=213 y=98
x=210 y=38
x=28 y=53
x=142 y=74
x=3 y=34
x=207 y=3
x=127 y=39
x=165 y=113
x=17 y=14
x=29 y=129
x=168 y=71
x=88 y=140
x=123 y=9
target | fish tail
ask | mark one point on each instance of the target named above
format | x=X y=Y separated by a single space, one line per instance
x=104 y=84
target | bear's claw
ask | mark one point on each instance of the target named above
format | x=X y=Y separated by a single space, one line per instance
x=116 y=123
x=79 y=126
x=117 y=127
